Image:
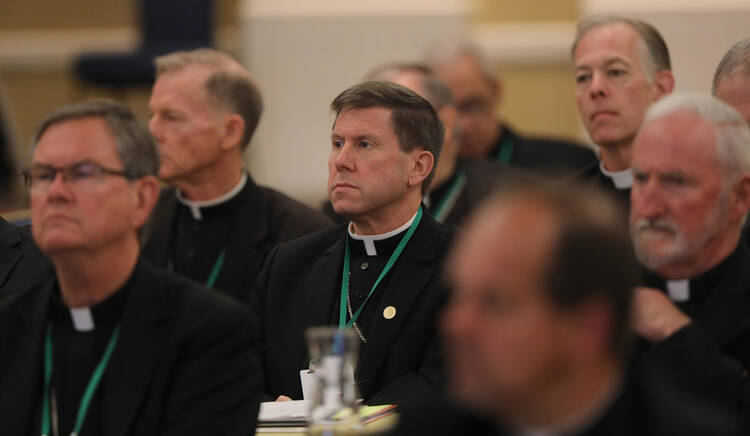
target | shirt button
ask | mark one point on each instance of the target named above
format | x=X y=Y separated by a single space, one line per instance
x=364 y=266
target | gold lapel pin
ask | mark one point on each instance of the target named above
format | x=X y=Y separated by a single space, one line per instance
x=389 y=312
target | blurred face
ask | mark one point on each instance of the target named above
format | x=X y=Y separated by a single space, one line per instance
x=678 y=207
x=82 y=214
x=506 y=343
x=477 y=100
x=368 y=173
x=186 y=124
x=612 y=89
x=734 y=90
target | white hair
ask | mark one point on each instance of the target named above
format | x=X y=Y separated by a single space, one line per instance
x=732 y=131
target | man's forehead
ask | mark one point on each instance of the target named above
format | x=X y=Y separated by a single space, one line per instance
x=608 y=41
x=77 y=138
x=683 y=133
x=362 y=117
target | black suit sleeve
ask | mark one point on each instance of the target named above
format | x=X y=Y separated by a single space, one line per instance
x=695 y=360
x=257 y=303
x=227 y=402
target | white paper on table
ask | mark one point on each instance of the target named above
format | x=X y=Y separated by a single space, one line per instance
x=284 y=410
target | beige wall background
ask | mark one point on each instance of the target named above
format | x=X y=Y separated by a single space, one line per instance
x=527 y=40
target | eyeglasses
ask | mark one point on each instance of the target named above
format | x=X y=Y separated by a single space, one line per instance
x=80 y=174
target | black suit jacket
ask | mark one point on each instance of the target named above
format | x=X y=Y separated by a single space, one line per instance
x=266 y=218
x=299 y=287
x=184 y=363
x=543 y=155
x=711 y=356
x=22 y=265
x=646 y=406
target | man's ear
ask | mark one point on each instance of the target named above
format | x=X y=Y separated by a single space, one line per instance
x=664 y=83
x=233 y=129
x=422 y=163
x=146 y=193
x=739 y=199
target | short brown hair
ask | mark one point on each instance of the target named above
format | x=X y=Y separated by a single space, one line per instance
x=413 y=119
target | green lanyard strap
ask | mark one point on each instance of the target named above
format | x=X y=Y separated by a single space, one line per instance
x=391 y=261
x=88 y=394
x=216 y=270
x=505 y=153
x=449 y=199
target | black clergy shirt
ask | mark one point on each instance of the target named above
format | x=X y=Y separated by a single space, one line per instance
x=364 y=271
x=77 y=353
x=196 y=242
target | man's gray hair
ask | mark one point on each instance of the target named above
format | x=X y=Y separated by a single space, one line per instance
x=655 y=54
x=434 y=90
x=135 y=146
x=736 y=60
x=448 y=50
x=732 y=131
x=230 y=86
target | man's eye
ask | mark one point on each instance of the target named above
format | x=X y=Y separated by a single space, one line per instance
x=83 y=171
x=616 y=72
x=640 y=177
x=365 y=144
x=582 y=78
x=337 y=144
x=43 y=175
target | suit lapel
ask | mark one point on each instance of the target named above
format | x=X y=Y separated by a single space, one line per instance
x=157 y=247
x=21 y=344
x=9 y=257
x=323 y=285
x=244 y=258
x=409 y=276
x=726 y=304
x=137 y=353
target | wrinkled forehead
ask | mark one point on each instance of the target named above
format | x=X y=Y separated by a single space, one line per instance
x=76 y=139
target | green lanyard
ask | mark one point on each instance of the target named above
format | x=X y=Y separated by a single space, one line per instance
x=391 y=261
x=506 y=150
x=449 y=199
x=216 y=270
x=96 y=377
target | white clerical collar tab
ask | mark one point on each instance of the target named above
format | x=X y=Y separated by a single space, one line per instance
x=82 y=319
x=678 y=290
x=369 y=240
x=195 y=206
x=622 y=179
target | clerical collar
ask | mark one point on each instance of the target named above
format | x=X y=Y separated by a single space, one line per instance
x=694 y=288
x=369 y=240
x=195 y=206
x=622 y=179
x=85 y=319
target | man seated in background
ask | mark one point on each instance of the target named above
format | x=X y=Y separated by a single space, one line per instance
x=731 y=82
x=537 y=333
x=691 y=165
x=214 y=225
x=621 y=66
x=111 y=344
x=478 y=94
x=380 y=273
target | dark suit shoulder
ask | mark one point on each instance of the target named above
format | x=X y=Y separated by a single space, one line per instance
x=289 y=218
x=548 y=155
x=22 y=265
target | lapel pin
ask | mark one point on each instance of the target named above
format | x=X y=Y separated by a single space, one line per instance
x=389 y=312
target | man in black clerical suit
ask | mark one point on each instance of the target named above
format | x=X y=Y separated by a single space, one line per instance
x=478 y=93
x=111 y=345
x=691 y=164
x=214 y=225
x=384 y=145
x=22 y=265
x=621 y=66
x=537 y=333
